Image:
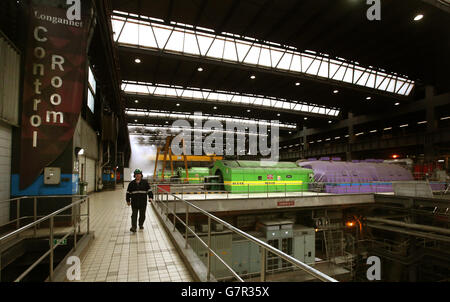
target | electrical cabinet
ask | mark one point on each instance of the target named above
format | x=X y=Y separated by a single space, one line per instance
x=221 y=245
x=304 y=244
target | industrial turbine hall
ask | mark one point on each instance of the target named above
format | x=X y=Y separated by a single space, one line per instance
x=224 y=141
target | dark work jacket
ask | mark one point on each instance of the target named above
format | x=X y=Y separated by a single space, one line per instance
x=137 y=193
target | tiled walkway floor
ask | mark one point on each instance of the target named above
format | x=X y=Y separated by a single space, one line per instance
x=117 y=255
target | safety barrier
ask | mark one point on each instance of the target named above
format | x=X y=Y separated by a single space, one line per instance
x=162 y=201
x=76 y=225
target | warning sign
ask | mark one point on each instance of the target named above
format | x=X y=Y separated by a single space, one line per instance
x=286 y=203
x=270 y=176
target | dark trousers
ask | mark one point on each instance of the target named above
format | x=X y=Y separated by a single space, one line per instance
x=134 y=215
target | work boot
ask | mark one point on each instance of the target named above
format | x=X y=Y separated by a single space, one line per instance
x=141 y=227
x=133 y=230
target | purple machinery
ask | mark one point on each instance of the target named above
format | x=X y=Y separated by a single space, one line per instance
x=366 y=176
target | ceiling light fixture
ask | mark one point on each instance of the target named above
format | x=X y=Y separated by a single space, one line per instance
x=368 y=98
x=252 y=77
x=418 y=17
x=200 y=69
x=136 y=101
x=335 y=91
x=305 y=118
x=297 y=84
x=137 y=60
x=396 y=104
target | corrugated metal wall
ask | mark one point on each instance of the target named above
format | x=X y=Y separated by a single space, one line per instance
x=9 y=115
x=9 y=82
x=5 y=169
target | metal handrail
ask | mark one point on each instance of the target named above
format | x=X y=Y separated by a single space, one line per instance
x=266 y=247
x=76 y=224
x=356 y=188
x=35 y=216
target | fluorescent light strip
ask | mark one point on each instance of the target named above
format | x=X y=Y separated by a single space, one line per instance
x=405 y=125
x=358 y=134
x=388 y=128
x=134 y=113
x=445 y=118
x=373 y=131
x=185 y=40
x=422 y=122
x=161 y=90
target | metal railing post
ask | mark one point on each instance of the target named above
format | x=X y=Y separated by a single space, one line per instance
x=51 y=248
x=75 y=223
x=167 y=206
x=187 y=225
x=263 y=264
x=35 y=215
x=18 y=213
x=174 y=214
x=208 y=277
x=88 y=215
x=79 y=218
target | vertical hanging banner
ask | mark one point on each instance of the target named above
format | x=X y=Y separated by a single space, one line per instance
x=54 y=81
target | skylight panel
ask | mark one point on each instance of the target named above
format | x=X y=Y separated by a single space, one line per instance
x=146 y=37
x=348 y=77
x=275 y=56
x=306 y=63
x=116 y=27
x=371 y=81
x=234 y=50
x=410 y=87
x=391 y=86
x=129 y=33
x=285 y=61
x=222 y=96
x=253 y=55
x=190 y=44
x=296 y=63
x=323 y=70
x=230 y=51
x=204 y=41
x=242 y=50
x=363 y=79
x=333 y=69
x=384 y=84
x=339 y=75
x=314 y=68
x=264 y=58
x=162 y=33
x=216 y=50
x=175 y=42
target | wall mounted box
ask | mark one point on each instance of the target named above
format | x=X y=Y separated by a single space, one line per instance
x=52 y=176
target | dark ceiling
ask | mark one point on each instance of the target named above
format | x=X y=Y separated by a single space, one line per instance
x=336 y=27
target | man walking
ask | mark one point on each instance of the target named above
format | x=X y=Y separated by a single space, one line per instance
x=137 y=192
